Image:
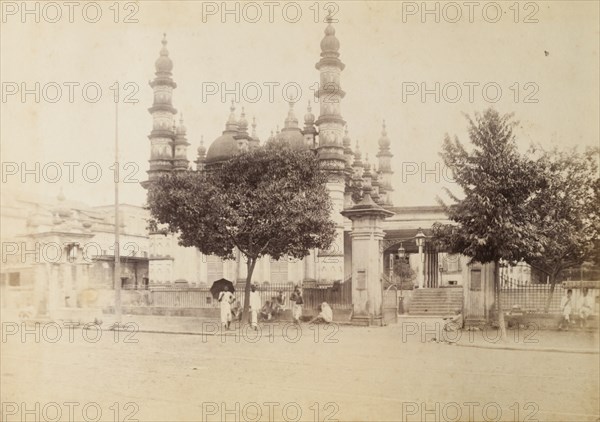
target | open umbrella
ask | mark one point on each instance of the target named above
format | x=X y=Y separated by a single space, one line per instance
x=219 y=285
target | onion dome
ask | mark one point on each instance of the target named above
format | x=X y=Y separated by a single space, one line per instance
x=243 y=123
x=255 y=141
x=181 y=129
x=330 y=45
x=291 y=133
x=384 y=141
x=225 y=146
x=232 y=123
x=357 y=154
x=163 y=63
x=309 y=117
x=201 y=149
x=222 y=149
x=346 y=139
x=367 y=167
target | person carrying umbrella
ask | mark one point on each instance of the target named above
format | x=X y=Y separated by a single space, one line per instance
x=225 y=300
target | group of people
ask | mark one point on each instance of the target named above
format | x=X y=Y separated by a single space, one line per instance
x=231 y=308
x=583 y=309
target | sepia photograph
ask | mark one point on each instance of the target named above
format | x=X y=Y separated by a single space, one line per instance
x=300 y=211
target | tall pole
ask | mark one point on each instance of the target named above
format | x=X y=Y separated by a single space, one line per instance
x=117 y=273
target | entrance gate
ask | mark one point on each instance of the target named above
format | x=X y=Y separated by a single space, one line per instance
x=389 y=305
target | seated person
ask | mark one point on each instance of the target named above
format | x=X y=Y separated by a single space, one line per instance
x=454 y=323
x=236 y=311
x=585 y=306
x=267 y=311
x=278 y=303
x=326 y=314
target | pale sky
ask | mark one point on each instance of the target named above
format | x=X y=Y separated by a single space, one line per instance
x=386 y=49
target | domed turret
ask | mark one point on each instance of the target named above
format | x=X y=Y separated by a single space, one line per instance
x=181 y=129
x=330 y=45
x=309 y=117
x=243 y=123
x=201 y=149
x=291 y=133
x=163 y=63
x=225 y=146
x=384 y=141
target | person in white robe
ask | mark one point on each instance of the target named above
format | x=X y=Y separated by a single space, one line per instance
x=255 y=306
x=225 y=300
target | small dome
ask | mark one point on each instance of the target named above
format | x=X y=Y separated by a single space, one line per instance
x=309 y=117
x=202 y=148
x=181 y=129
x=330 y=43
x=243 y=123
x=384 y=141
x=163 y=63
x=357 y=153
x=222 y=148
x=294 y=138
x=346 y=139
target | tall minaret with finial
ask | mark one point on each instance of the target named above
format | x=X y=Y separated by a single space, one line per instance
x=385 y=167
x=331 y=149
x=162 y=138
x=180 y=144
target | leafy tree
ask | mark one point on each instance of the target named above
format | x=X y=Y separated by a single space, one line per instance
x=567 y=212
x=270 y=200
x=493 y=221
x=405 y=274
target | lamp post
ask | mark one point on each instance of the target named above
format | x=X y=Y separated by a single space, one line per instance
x=420 y=241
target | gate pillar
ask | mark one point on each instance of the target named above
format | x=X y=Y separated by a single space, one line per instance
x=367 y=260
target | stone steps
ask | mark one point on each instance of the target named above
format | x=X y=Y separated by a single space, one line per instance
x=436 y=302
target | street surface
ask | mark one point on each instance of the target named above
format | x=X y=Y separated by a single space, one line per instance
x=341 y=373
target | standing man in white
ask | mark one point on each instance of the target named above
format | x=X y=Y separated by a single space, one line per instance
x=255 y=306
x=225 y=299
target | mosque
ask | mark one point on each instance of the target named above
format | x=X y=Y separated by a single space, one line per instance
x=348 y=175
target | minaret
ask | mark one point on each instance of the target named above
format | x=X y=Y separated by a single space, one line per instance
x=162 y=137
x=385 y=167
x=180 y=160
x=357 y=167
x=348 y=171
x=310 y=131
x=331 y=150
x=243 y=137
x=254 y=142
x=201 y=155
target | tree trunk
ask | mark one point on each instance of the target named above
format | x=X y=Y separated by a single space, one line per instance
x=551 y=293
x=499 y=310
x=250 y=266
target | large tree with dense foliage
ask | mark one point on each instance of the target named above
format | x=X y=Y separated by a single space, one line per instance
x=271 y=200
x=493 y=221
x=567 y=210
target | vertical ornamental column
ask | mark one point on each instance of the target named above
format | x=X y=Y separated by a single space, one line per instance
x=331 y=149
x=367 y=266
